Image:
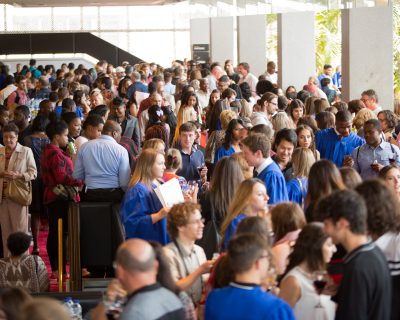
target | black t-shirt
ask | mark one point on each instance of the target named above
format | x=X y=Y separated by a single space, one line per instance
x=365 y=290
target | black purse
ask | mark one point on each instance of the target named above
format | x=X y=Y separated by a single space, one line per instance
x=210 y=242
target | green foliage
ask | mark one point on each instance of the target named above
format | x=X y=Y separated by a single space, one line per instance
x=396 y=47
x=327 y=38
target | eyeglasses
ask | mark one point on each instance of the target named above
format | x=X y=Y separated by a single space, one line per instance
x=199 y=221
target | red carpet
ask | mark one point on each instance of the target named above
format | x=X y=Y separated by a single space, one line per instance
x=43 y=254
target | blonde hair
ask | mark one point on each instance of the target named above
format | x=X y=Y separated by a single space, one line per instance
x=153 y=143
x=302 y=160
x=282 y=121
x=240 y=202
x=244 y=166
x=225 y=117
x=97 y=93
x=173 y=159
x=362 y=116
x=144 y=168
x=184 y=115
x=246 y=109
x=42 y=308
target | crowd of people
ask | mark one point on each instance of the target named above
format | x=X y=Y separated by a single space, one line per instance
x=291 y=197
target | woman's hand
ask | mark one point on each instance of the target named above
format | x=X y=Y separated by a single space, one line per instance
x=12 y=175
x=160 y=215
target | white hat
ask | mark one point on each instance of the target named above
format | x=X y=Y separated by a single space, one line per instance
x=120 y=69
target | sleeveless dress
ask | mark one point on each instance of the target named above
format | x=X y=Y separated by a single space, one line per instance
x=305 y=306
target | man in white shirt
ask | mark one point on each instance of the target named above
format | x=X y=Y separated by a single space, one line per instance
x=246 y=76
x=271 y=74
x=370 y=99
x=203 y=94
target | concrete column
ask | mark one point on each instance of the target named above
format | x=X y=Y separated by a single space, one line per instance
x=199 y=32
x=367 y=53
x=252 y=42
x=296 y=49
x=222 y=39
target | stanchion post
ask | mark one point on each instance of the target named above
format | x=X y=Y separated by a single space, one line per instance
x=60 y=255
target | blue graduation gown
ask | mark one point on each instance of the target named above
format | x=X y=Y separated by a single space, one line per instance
x=297 y=193
x=275 y=183
x=333 y=149
x=138 y=204
x=231 y=230
x=222 y=152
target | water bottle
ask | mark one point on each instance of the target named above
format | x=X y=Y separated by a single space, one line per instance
x=77 y=310
x=68 y=303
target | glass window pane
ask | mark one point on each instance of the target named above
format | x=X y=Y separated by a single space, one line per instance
x=114 y=18
x=119 y=39
x=68 y=18
x=90 y=18
x=39 y=19
x=150 y=18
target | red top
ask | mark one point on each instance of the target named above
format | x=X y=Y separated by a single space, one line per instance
x=57 y=168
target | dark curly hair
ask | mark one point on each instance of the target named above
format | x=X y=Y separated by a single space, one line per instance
x=18 y=243
x=308 y=247
x=390 y=118
x=382 y=205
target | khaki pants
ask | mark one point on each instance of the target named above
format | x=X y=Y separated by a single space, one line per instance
x=13 y=218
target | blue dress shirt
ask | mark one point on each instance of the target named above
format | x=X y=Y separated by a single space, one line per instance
x=103 y=164
x=365 y=155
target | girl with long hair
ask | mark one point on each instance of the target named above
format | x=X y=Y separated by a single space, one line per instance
x=302 y=160
x=250 y=200
x=232 y=139
x=141 y=211
x=312 y=251
x=306 y=139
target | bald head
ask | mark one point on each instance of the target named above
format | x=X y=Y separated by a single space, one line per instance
x=136 y=255
x=111 y=126
x=156 y=99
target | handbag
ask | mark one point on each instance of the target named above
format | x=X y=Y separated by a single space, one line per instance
x=210 y=242
x=66 y=193
x=19 y=191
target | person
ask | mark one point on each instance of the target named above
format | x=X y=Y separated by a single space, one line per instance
x=173 y=162
x=351 y=178
x=324 y=178
x=187 y=261
x=388 y=120
x=232 y=140
x=16 y=163
x=74 y=125
x=22 y=117
x=391 y=175
x=311 y=252
x=370 y=99
x=91 y=129
x=11 y=302
x=365 y=290
x=37 y=142
x=44 y=308
x=306 y=139
x=249 y=258
x=246 y=76
x=250 y=200
x=19 y=96
x=192 y=158
x=284 y=144
x=287 y=219
x=225 y=180
x=266 y=108
x=256 y=150
x=271 y=74
x=22 y=269
x=360 y=118
x=376 y=153
x=383 y=223
x=57 y=170
x=136 y=269
x=155 y=144
x=104 y=166
x=296 y=110
x=302 y=160
x=141 y=211
x=337 y=144
x=128 y=123
x=215 y=95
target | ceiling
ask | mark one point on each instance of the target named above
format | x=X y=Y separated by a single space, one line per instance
x=78 y=3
